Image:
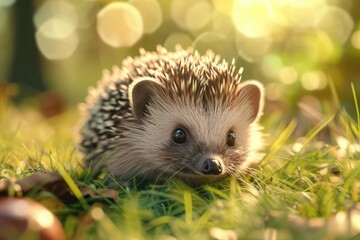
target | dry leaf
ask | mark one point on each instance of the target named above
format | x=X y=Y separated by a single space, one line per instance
x=53 y=182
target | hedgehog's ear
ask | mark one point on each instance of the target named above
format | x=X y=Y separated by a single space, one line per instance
x=252 y=92
x=140 y=92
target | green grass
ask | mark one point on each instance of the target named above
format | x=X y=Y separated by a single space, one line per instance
x=313 y=176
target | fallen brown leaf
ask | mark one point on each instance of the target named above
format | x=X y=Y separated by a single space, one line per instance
x=54 y=183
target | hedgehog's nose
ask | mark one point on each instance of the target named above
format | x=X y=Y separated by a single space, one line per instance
x=212 y=167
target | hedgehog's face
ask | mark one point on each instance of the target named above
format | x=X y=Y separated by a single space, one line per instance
x=195 y=143
x=208 y=164
x=204 y=156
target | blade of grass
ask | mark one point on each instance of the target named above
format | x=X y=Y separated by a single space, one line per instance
x=188 y=208
x=70 y=182
x=349 y=182
x=279 y=142
x=159 y=221
x=169 y=196
x=334 y=93
x=356 y=106
x=313 y=132
x=216 y=192
x=204 y=219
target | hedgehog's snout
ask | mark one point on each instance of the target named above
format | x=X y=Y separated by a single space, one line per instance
x=212 y=167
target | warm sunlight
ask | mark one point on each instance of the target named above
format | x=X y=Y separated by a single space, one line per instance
x=180 y=119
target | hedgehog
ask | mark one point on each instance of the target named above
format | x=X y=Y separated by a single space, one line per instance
x=168 y=114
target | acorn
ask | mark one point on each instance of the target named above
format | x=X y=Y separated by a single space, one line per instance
x=22 y=218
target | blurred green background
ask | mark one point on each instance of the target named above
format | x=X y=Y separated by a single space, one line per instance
x=53 y=50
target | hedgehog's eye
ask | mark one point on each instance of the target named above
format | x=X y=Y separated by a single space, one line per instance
x=179 y=136
x=230 y=139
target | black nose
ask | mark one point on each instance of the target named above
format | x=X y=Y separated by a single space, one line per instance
x=212 y=167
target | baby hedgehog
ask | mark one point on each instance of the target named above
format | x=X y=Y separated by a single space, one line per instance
x=166 y=114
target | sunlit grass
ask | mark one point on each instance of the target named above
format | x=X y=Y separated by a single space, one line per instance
x=316 y=176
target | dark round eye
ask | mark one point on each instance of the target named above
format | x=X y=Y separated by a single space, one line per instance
x=230 y=139
x=179 y=136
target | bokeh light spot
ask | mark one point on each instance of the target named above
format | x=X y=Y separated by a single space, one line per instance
x=62 y=10
x=191 y=14
x=199 y=15
x=221 y=23
x=219 y=233
x=44 y=218
x=355 y=218
x=252 y=18
x=119 y=24
x=342 y=142
x=311 y=47
x=56 y=22
x=336 y=22
x=271 y=65
x=320 y=47
x=150 y=11
x=97 y=213
x=252 y=49
x=288 y=75
x=314 y=80
x=57 y=39
x=177 y=38
x=274 y=91
x=302 y=13
x=355 y=39
x=296 y=147
x=222 y=6
x=179 y=10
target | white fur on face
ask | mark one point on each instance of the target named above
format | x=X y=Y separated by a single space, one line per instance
x=147 y=150
x=207 y=128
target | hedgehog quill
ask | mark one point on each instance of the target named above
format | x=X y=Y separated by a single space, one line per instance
x=173 y=114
